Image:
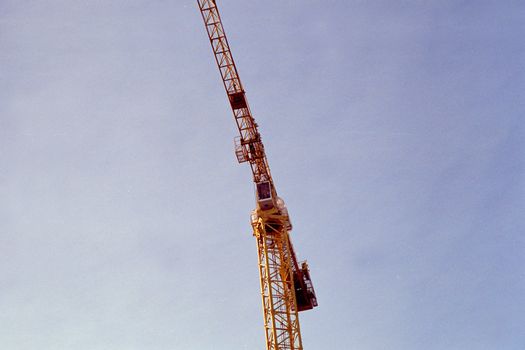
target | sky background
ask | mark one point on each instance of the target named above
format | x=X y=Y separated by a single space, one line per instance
x=394 y=129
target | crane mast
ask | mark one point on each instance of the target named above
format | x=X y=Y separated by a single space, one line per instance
x=286 y=287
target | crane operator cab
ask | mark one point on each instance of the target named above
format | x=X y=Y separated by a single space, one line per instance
x=264 y=195
x=267 y=201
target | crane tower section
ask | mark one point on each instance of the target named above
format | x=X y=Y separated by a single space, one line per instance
x=286 y=287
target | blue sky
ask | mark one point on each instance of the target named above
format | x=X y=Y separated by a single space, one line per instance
x=394 y=131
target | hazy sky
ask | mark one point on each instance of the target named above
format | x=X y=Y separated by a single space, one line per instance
x=394 y=129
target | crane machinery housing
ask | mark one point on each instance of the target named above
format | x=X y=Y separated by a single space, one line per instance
x=286 y=287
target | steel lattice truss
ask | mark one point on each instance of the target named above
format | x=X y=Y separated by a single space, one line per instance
x=281 y=321
x=248 y=145
x=285 y=284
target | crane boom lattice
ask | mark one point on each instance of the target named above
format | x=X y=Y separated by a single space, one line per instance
x=249 y=147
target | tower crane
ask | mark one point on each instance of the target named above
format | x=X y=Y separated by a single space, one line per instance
x=286 y=287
